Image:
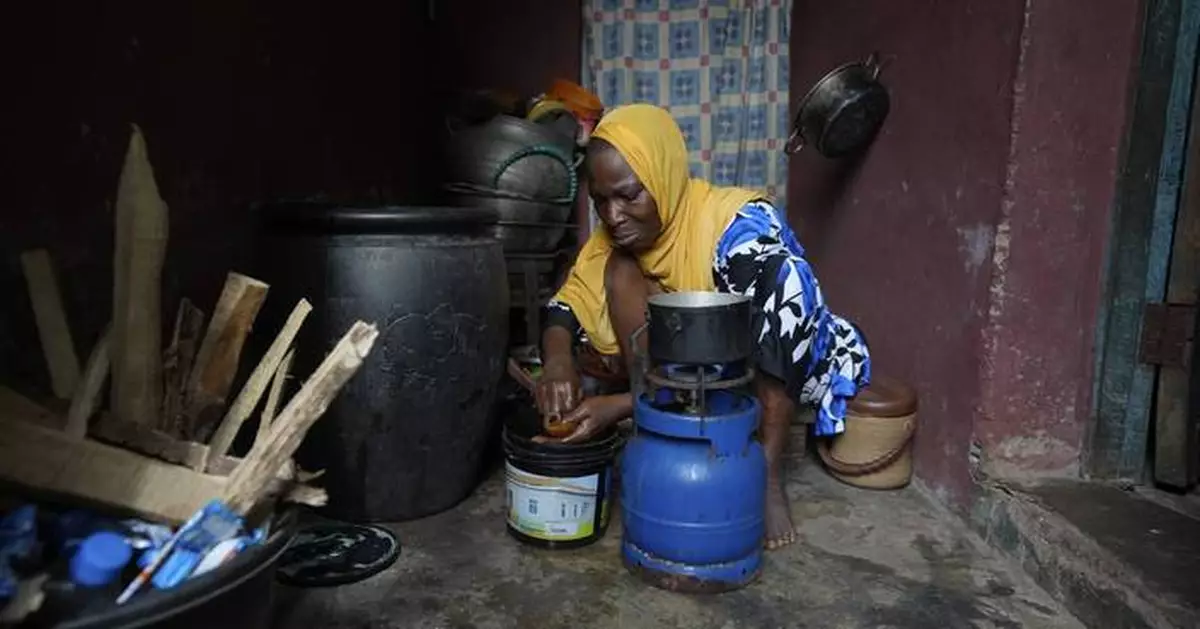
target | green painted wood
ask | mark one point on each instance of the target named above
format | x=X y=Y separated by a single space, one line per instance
x=1140 y=240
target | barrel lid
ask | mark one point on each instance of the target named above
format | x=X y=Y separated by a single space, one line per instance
x=383 y=219
x=885 y=397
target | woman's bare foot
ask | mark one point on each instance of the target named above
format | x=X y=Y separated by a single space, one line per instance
x=780 y=530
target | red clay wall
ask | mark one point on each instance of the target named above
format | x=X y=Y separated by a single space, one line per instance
x=968 y=241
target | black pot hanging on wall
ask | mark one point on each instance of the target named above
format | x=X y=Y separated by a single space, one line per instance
x=843 y=111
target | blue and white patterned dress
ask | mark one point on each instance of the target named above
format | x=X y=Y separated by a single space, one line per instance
x=822 y=358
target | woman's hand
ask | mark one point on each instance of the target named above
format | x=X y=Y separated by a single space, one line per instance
x=596 y=414
x=559 y=390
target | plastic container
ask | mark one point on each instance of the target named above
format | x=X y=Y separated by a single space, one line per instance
x=559 y=495
x=238 y=595
x=582 y=102
x=405 y=437
x=99 y=559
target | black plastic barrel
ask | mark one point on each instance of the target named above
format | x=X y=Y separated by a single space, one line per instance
x=559 y=495
x=405 y=438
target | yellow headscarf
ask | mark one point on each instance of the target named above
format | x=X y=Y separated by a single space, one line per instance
x=694 y=214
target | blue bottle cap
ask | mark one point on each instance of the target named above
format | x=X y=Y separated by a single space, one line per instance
x=99 y=559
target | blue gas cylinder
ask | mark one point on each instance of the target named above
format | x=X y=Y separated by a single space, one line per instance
x=693 y=490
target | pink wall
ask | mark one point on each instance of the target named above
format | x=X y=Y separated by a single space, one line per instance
x=968 y=241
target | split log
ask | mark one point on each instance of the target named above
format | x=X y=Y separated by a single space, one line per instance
x=217 y=361
x=277 y=382
x=140 y=246
x=256 y=384
x=250 y=481
x=177 y=364
x=53 y=330
x=86 y=401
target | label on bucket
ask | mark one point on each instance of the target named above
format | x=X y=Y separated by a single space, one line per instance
x=549 y=508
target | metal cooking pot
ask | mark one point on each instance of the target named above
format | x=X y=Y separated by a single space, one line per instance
x=530 y=237
x=699 y=328
x=525 y=226
x=842 y=113
x=515 y=155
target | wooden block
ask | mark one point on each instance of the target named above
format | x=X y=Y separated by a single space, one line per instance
x=217 y=360
x=48 y=460
x=257 y=383
x=150 y=442
x=140 y=245
x=86 y=400
x=17 y=405
x=177 y=364
x=53 y=330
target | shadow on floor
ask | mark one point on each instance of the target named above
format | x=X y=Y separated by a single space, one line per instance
x=1114 y=558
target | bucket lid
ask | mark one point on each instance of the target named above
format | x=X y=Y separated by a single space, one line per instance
x=885 y=397
x=334 y=553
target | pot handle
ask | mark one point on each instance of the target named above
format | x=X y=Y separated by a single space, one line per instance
x=548 y=151
x=873 y=65
x=637 y=379
x=795 y=141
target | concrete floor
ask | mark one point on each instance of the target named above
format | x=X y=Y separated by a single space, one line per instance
x=865 y=560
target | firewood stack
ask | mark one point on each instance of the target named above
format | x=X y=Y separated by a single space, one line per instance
x=162 y=449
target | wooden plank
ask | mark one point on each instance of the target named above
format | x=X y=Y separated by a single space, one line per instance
x=177 y=364
x=140 y=246
x=1176 y=449
x=150 y=442
x=15 y=404
x=49 y=460
x=257 y=383
x=53 y=330
x=249 y=482
x=1139 y=248
x=87 y=397
x=217 y=361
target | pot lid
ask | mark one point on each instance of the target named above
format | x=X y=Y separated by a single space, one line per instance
x=885 y=397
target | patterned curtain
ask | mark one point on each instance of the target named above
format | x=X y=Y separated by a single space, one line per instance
x=719 y=66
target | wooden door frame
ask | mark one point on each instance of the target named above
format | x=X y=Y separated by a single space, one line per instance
x=1139 y=248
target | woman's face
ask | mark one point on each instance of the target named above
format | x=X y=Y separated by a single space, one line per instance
x=622 y=202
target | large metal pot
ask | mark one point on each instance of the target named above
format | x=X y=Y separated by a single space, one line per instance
x=514 y=155
x=525 y=226
x=841 y=114
x=699 y=328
